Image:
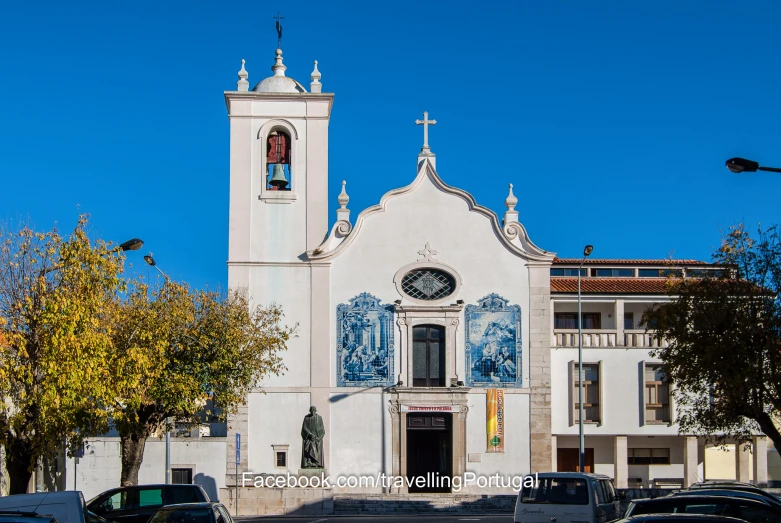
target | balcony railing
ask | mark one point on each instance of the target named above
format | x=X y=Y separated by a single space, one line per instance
x=642 y=339
x=604 y=338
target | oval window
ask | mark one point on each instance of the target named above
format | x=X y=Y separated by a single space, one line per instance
x=428 y=284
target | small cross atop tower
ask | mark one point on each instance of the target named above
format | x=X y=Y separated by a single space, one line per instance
x=425 y=122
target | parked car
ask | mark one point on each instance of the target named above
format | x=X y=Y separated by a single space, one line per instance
x=138 y=503
x=65 y=507
x=24 y=517
x=758 y=494
x=731 y=485
x=751 y=510
x=567 y=497
x=211 y=512
x=681 y=518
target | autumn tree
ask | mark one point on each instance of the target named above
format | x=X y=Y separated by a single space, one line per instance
x=724 y=353
x=178 y=348
x=56 y=296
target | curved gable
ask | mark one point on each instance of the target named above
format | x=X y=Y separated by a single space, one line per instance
x=513 y=235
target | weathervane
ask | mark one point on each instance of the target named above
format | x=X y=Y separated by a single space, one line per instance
x=279 y=30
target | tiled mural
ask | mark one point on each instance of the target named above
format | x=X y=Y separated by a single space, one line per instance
x=493 y=343
x=364 y=342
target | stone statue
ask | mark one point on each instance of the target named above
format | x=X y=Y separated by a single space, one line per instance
x=312 y=432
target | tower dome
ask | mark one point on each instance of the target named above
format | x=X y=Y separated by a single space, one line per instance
x=279 y=83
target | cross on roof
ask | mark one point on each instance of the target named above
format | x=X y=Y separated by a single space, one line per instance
x=425 y=122
x=427 y=253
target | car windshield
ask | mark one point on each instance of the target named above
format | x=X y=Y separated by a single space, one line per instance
x=181 y=515
x=558 y=491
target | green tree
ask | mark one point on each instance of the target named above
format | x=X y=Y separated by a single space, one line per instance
x=178 y=348
x=56 y=296
x=724 y=353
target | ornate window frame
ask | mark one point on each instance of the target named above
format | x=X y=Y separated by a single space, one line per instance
x=423 y=264
x=267 y=195
x=408 y=317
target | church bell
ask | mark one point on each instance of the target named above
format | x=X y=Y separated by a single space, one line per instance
x=278 y=178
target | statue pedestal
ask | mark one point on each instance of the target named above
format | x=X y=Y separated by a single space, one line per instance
x=321 y=473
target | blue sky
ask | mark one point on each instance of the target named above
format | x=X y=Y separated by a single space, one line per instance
x=613 y=120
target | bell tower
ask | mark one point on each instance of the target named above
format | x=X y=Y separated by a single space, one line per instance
x=278 y=167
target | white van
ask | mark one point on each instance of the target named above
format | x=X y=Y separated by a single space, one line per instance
x=568 y=497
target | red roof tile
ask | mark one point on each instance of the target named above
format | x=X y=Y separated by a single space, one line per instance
x=617 y=261
x=608 y=285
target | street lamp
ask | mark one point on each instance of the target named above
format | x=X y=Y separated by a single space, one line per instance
x=581 y=441
x=740 y=165
x=131 y=245
x=151 y=261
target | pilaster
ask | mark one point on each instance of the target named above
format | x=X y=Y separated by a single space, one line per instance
x=620 y=464
x=742 y=462
x=619 y=315
x=760 y=461
x=690 y=461
x=237 y=424
x=539 y=367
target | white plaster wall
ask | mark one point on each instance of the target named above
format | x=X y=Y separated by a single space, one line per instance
x=604 y=462
x=636 y=308
x=515 y=460
x=773 y=463
x=357 y=433
x=650 y=472
x=465 y=240
x=100 y=468
x=275 y=418
x=288 y=287
x=621 y=392
x=607 y=310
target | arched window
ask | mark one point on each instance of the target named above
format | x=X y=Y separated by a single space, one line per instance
x=278 y=177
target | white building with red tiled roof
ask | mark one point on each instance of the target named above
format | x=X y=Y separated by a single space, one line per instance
x=630 y=433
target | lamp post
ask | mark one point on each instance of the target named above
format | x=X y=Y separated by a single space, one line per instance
x=151 y=261
x=581 y=441
x=741 y=165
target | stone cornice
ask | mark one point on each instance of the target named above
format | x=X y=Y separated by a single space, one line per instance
x=278 y=264
x=277 y=97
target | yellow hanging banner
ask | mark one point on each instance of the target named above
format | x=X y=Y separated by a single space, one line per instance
x=494 y=419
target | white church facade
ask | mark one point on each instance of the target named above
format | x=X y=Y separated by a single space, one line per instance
x=434 y=337
x=413 y=313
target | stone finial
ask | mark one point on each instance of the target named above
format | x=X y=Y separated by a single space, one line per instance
x=343 y=198
x=315 y=86
x=511 y=215
x=511 y=200
x=343 y=213
x=243 y=75
x=278 y=67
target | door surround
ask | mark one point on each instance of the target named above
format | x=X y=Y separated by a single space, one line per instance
x=404 y=398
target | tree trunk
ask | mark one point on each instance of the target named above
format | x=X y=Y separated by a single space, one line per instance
x=18 y=463
x=767 y=426
x=132 y=455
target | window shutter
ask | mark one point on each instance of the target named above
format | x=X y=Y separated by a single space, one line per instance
x=572 y=391
x=641 y=373
x=601 y=379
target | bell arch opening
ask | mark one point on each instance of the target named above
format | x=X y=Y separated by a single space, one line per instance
x=279 y=176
